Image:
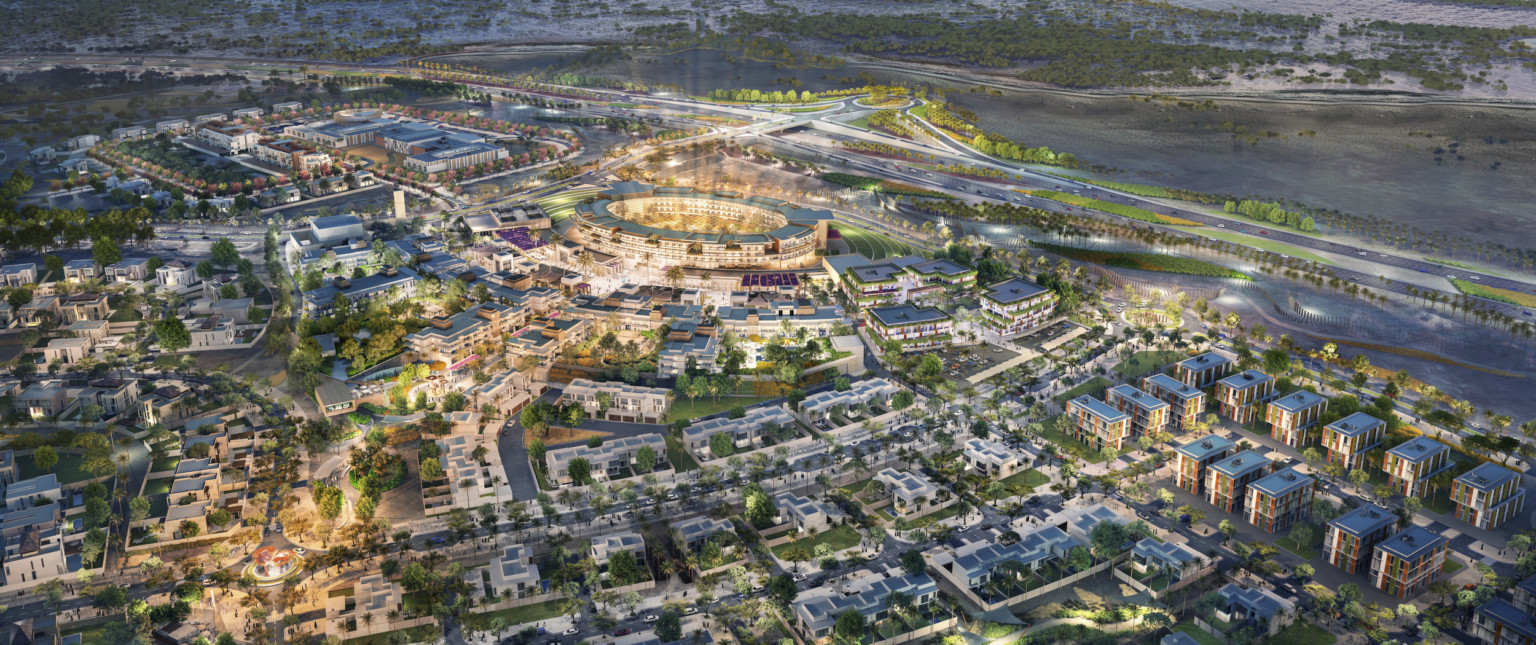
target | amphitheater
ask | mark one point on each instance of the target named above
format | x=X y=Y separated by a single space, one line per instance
x=675 y=226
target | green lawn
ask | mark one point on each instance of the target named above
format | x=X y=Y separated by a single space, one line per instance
x=1258 y=242
x=1302 y=633
x=526 y=614
x=157 y=487
x=1303 y=552
x=417 y=634
x=680 y=459
x=1196 y=633
x=416 y=603
x=164 y=463
x=937 y=516
x=1145 y=362
x=838 y=538
x=857 y=487
x=92 y=634
x=1092 y=387
x=1451 y=566
x=68 y=469
x=870 y=244
x=1049 y=433
x=1030 y=479
x=1441 y=502
x=683 y=409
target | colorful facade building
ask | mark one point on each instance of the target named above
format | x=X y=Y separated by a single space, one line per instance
x=1015 y=306
x=1290 y=416
x=1277 y=501
x=1149 y=414
x=1242 y=396
x=1227 y=480
x=913 y=327
x=1403 y=565
x=1488 y=495
x=1411 y=463
x=1195 y=457
x=1349 y=438
x=1098 y=424
x=1352 y=537
x=1185 y=402
x=1202 y=371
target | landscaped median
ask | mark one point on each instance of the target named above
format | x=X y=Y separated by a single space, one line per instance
x=1142 y=261
x=1133 y=212
x=1507 y=296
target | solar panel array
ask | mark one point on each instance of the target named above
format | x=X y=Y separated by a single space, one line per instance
x=520 y=238
x=770 y=280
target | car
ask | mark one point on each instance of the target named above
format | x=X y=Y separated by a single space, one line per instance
x=650 y=618
x=1475 y=278
x=1263 y=232
x=299 y=550
x=569 y=632
x=799 y=577
x=690 y=610
x=1221 y=226
x=622 y=632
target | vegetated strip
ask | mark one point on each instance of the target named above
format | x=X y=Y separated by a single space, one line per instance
x=1143 y=261
x=1509 y=296
x=1459 y=265
x=1133 y=212
x=877 y=185
x=1417 y=353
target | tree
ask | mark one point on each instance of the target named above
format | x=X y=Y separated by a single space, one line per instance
x=850 y=628
x=912 y=561
x=760 y=509
x=223 y=252
x=1276 y=361
x=45 y=458
x=19 y=297
x=580 y=470
x=1305 y=571
x=781 y=588
x=645 y=459
x=1227 y=528
x=622 y=569
x=669 y=627
x=431 y=469
x=172 y=335
x=722 y=445
x=105 y=252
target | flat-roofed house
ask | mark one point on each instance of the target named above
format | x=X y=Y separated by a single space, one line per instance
x=1202 y=371
x=514 y=569
x=819 y=406
x=84 y=306
x=626 y=403
x=693 y=533
x=991 y=458
x=18 y=275
x=374 y=596
x=807 y=514
x=605 y=546
x=1487 y=496
x=911 y=494
x=1498 y=622
x=815 y=612
x=82 y=269
x=607 y=461
x=1097 y=423
x=1227 y=479
x=1242 y=395
x=1194 y=457
x=232 y=138
x=1178 y=561
x=1015 y=306
x=1259 y=607
x=1403 y=565
x=34 y=547
x=745 y=432
x=1185 y=402
x=1351 y=538
x=1149 y=414
x=913 y=327
x=1411 y=463
x=1290 y=416
x=1349 y=438
x=1280 y=499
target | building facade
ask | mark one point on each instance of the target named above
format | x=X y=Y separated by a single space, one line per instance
x=1403 y=565
x=1193 y=458
x=1487 y=496
x=1242 y=396
x=1282 y=498
x=1349 y=438
x=1351 y=538
x=1227 y=479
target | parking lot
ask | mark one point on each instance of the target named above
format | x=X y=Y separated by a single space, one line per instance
x=1034 y=339
x=961 y=363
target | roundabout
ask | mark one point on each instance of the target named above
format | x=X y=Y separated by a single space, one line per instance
x=271 y=565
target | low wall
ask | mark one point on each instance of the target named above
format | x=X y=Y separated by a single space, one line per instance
x=1157 y=595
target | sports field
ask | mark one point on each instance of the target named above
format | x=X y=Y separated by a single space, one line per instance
x=873 y=245
x=560 y=205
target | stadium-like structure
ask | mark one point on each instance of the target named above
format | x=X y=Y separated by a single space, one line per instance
x=674 y=226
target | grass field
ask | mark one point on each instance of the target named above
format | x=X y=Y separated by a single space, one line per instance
x=68 y=469
x=857 y=487
x=680 y=459
x=871 y=245
x=560 y=205
x=1451 y=566
x=526 y=614
x=1198 y=634
x=417 y=634
x=1030 y=479
x=1303 y=633
x=1146 y=362
x=1094 y=386
x=682 y=408
x=1459 y=265
x=1303 y=552
x=1258 y=243
x=838 y=538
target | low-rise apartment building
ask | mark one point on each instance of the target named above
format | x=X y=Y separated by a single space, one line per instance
x=913 y=327
x=1349 y=438
x=1227 y=479
x=1290 y=416
x=1185 y=402
x=1193 y=458
x=991 y=459
x=290 y=154
x=1411 y=463
x=389 y=284
x=807 y=514
x=1278 y=500
x=746 y=432
x=1016 y=306
x=911 y=494
x=1202 y=371
x=1487 y=496
x=1403 y=565
x=1242 y=396
x=1149 y=414
x=607 y=461
x=462 y=336
x=232 y=138
x=1351 y=540
x=1097 y=423
x=1497 y=622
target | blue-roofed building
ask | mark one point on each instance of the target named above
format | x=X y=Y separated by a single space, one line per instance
x=911 y=326
x=1015 y=306
x=1352 y=537
x=1177 y=560
x=34 y=547
x=816 y=610
x=1525 y=595
x=1488 y=495
x=1178 y=638
x=1411 y=463
x=1403 y=565
x=1098 y=424
x=1497 y=622
x=1278 y=500
x=1349 y=438
x=1290 y=416
x=327 y=242
x=1261 y=608
x=973 y=566
x=1194 y=457
x=390 y=283
x=1186 y=402
x=1227 y=479
x=1202 y=371
x=1149 y=414
x=1241 y=396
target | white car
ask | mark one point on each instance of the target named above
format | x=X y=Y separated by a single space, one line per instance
x=569 y=632
x=651 y=618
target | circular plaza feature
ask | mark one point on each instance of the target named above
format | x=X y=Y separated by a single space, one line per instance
x=677 y=226
x=271 y=565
